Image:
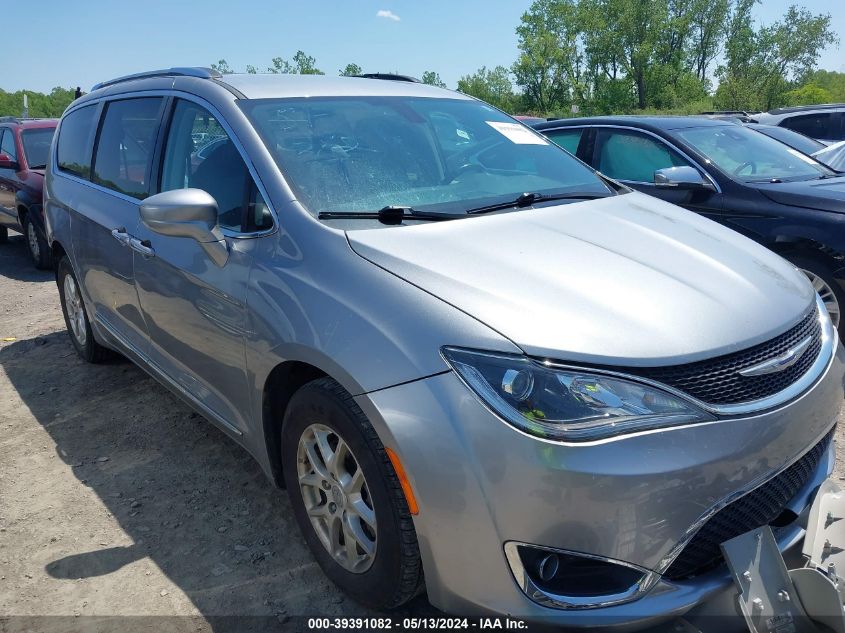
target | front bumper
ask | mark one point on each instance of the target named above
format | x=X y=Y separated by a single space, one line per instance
x=480 y=483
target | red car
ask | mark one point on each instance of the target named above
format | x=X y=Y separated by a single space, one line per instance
x=24 y=147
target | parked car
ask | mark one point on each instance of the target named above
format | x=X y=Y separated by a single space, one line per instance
x=481 y=370
x=528 y=119
x=24 y=147
x=753 y=184
x=793 y=139
x=823 y=122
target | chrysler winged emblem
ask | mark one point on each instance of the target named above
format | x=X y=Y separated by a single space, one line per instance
x=778 y=363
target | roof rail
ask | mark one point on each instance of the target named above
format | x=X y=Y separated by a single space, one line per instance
x=182 y=71
x=389 y=77
x=802 y=108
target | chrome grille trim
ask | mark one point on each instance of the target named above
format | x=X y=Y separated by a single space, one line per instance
x=829 y=339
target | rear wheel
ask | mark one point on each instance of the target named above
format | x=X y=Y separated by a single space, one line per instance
x=347 y=498
x=76 y=318
x=37 y=245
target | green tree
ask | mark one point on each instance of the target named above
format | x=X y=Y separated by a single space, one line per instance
x=807 y=94
x=301 y=64
x=432 y=79
x=222 y=66
x=763 y=65
x=493 y=86
x=351 y=70
x=40 y=105
x=831 y=81
x=550 y=63
x=251 y=70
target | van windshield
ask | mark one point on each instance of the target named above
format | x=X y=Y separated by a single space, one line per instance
x=360 y=154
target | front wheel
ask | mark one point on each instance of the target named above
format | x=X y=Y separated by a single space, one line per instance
x=827 y=287
x=37 y=246
x=76 y=318
x=347 y=498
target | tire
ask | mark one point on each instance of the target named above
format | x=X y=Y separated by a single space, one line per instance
x=4 y=234
x=393 y=573
x=36 y=245
x=826 y=285
x=76 y=316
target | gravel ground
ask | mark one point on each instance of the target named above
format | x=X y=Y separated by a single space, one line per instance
x=117 y=500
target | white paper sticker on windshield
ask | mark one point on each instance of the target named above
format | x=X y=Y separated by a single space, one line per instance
x=517 y=133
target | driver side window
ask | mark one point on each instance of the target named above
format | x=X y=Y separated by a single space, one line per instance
x=199 y=154
x=632 y=156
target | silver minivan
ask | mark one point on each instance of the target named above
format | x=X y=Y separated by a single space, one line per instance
x=481 y=369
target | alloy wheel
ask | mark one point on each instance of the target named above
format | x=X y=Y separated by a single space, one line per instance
x=337 y=497
x=75 y=310
x=827 y=295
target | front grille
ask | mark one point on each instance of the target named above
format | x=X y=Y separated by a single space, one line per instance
x=717 y=381
x=759 y=507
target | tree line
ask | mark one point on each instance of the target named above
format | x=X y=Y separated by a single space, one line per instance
x=619 y=56
x=40 y=105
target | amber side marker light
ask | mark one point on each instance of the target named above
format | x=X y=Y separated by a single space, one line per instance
x=403 y=481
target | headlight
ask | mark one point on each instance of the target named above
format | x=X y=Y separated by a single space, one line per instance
x=564 y=404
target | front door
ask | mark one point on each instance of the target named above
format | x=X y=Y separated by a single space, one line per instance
x=632 y=157
x=195 y=310
x=8 y=177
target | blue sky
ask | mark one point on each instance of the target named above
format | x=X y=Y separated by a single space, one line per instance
x=81 y=43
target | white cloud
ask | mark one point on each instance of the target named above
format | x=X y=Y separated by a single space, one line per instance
x=389 y=15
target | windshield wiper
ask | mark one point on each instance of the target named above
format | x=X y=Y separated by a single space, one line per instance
x=527 y=199
x=388 y=215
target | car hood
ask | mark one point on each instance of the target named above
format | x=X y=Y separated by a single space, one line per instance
x=827 y=194
x=624 y=280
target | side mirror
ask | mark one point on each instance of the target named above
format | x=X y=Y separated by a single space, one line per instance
x=683 y=177
x=188 y=213
x=6 y=162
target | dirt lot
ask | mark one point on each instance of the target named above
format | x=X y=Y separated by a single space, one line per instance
x=116 y=499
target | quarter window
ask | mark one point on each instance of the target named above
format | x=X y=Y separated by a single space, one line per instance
x=74 y=143
x=199 y=154
x=567 y=139
x=7 y=144
x=124 y=150
x=633 y=156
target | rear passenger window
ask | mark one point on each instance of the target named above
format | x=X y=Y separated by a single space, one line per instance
x=199 y=154
x=74 y=144
x=125 y=146
x=633 y=156
x=567 y=139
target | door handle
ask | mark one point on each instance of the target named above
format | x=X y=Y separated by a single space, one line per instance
x=142 y=247
x=121 y=236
